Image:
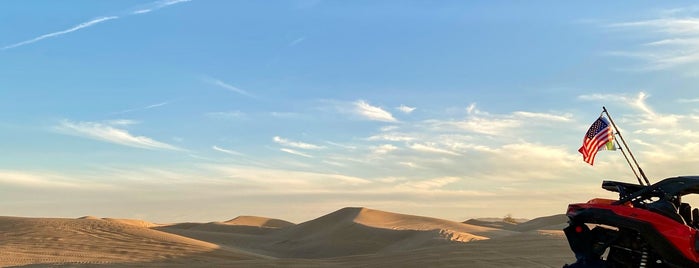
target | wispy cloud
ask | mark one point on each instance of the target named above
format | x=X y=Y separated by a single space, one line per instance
x=675 y=41
x=226 y=115
x=638 y=102
x=406 y=109
x=156 y=105
x=157 y=5
x=391 y=137
x=384 y=149
x=344 y=146
x=604 y=97
x=431 y=149
x=430 y=184
x=122 y=122
x=227 y=151
x=688 y=100
x=483 y=125
x=297 y=41
x=40 y=180
x=111 y=134
x=285 y=115
x=154 y=6
x=226 y=86
x=544 y=116
x=294 y=152
x=296 y=144
x=59 y=33
x=370 y=112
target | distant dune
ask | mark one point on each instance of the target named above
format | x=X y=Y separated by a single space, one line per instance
x=139 y=223
x=349 y=237
x=554 y=222
x=492 y=224
x=259 y=222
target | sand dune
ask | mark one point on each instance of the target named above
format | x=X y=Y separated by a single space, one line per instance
x=259 y=222
x=395 y=221
x=352 y=231
x=554 y=222
x=252 y=225
x=95 y=241
x=139 y=223
x=492 y=224
x=349 y=237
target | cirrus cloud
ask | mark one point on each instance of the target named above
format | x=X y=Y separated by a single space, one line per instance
x=108 y=133
x=374 y=113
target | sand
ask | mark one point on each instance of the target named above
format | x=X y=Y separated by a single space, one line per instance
x=349 y=237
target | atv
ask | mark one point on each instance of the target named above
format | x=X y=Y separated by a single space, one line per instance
x=648 y=226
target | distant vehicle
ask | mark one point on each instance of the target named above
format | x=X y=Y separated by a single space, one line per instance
x=648 y=226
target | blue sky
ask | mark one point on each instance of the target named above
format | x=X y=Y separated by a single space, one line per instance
x=204 y=110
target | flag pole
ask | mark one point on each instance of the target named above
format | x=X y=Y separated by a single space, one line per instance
x=629 y=162
x=604 y=109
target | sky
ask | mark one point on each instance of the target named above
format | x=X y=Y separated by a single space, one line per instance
x=203 y=110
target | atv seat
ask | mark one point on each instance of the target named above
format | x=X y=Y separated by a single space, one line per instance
x=667 y=209
x=695 y=218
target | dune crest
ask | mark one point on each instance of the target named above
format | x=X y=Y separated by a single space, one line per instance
x=88 y=217
x=256 y=221
x=133 y=222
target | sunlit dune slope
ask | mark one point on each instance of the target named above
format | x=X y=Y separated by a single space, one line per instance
x=90 y=240
x=396 y=221
x=351 y=231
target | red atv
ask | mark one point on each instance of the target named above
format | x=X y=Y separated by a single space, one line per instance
x=648 y=226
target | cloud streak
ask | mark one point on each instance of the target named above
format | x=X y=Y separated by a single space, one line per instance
x=406 y=109
x=431 y=149
x=226 y=115
x=93 y=22
x=296 y=144
x=297 y=41
x=366 y=110
x=294 y=152
x=226 y=86
x=158 y=5
x=675 y=41
x=227 y=151
x=107 y=133
x=156 y=105
x=59 y=33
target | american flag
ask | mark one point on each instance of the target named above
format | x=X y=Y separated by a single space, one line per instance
x=599 y=134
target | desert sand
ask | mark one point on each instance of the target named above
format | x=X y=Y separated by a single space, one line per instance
x=349 y=237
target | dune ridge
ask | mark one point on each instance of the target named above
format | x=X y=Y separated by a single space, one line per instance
x=259 y=222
